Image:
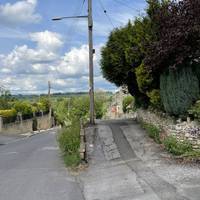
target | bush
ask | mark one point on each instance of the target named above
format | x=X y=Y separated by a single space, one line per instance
x=154 y=98
x=69 y=142
x=178 y=89
x=194 y=111
x=23 y=107
x=8 y=113
x=152 y=131
x=128 y=103
x=177 y=147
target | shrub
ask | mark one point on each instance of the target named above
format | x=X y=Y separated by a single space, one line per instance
x=194 y=111
x=128 y=103
x=152 y=131
x=69 y=142
x=8 y=113
x=178 y=89
x=155 y=99
x=177 y=147
x=23 y=107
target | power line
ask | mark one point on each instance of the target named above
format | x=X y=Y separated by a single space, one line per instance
x=73 y=27
x=125 y=4
x=105 y=12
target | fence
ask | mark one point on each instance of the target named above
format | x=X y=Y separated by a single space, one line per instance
x=24 y=126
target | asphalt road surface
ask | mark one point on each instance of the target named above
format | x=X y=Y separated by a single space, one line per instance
x=125 y=164
x=32 y=169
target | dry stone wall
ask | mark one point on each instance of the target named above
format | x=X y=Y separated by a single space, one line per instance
x=182 y=130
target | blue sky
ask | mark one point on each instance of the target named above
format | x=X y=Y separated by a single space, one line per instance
x=35 y=49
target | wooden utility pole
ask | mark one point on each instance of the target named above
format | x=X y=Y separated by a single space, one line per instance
x=91 y=52
x=91 y=68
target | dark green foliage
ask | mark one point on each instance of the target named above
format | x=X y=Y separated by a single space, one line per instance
x=152 y=131
x=120 y=56
x=179 y=89
x=178 y=35
x=176 y=147
x=196 y=70
x=144 y=78
x=141 y=100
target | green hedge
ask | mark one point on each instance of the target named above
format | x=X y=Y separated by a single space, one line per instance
x=179 y=89
x=8 y=113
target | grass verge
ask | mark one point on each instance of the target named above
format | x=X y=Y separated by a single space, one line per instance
x=183 y=149
x=69 y=142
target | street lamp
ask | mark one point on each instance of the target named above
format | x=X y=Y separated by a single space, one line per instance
x=91 y=52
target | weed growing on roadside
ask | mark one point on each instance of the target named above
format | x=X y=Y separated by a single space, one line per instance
x=177 y=147
x=153 y=132
x=69 y=142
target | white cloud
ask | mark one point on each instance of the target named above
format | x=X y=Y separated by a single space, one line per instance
x=47 y=40
x=19 y=13
x=22 y=60
x=30 y=69
x=25 y=60
x=75 y=62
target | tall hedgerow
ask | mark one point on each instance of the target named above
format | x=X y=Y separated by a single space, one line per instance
x=179 y=90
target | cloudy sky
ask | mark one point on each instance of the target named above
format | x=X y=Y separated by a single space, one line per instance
x=35 y=49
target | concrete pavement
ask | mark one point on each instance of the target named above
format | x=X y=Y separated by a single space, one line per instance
x=32 y=169
x=126 y=165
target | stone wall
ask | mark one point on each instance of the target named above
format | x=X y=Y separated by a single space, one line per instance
x=26 y=125
x=182 y=130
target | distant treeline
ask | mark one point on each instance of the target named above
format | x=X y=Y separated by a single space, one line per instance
x=58 y=94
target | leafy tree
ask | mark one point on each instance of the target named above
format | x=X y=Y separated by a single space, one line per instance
x=120 y=56
x=5 y=98
x=125 y=51
x=178 y=36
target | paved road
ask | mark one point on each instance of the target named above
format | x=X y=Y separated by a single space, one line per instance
x=126 y=165
x=31 y=169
